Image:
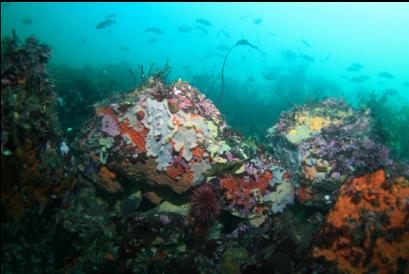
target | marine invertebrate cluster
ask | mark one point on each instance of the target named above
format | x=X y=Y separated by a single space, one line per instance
x=305 y=122
x=24 y=65
x=32 y=147
x=367 y=230
x=176 y=127
x=175 y=137
x=36 y=168
x=257 y=190
x=323 y=144
x=243 y=193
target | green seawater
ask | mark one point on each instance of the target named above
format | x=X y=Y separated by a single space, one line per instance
x=312 y=50
x=254 y=61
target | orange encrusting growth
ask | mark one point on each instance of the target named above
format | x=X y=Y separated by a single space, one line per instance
x=198 y=152
x=105 y=111
x=175 y=171
x=138 y=138
x=108 y=180
x=241 y=190
x=375 y=208
x=305 y=194
x=177 y=121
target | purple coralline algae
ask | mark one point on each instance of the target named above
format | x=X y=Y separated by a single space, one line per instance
x=322 y=145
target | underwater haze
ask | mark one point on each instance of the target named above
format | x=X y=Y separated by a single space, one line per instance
x=204 y=137
x=334 y=35
x=317 y=43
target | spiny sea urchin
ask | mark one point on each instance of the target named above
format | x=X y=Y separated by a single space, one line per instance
x=205 y=204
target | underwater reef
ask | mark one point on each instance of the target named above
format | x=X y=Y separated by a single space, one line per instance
x=323 y=144
x=154 y=180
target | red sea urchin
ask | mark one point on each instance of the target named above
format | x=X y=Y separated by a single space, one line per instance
x=205 y=204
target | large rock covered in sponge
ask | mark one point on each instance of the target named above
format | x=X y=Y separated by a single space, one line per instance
x=323 y=144
x=367 y=230
x=167 y=135
x=165 y=138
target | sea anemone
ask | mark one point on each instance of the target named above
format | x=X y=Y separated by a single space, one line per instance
x=205 y=204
